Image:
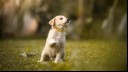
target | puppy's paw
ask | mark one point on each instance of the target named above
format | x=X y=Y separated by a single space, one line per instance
x=58 y=61
x=42 y=62
x=52 y=43
x=39 y=61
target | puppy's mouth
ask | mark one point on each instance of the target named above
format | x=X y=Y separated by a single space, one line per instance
x=67 y=22
x=65 y=25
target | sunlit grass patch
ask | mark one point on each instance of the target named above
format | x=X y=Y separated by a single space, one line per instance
x=80 y=55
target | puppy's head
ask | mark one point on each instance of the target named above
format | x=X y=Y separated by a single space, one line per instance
x=59 y=21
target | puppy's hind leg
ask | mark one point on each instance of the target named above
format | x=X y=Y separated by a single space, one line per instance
x=44 y=57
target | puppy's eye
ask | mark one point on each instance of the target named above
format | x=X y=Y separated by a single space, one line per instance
x=61 y=18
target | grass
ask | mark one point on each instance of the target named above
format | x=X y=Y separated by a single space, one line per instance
x=86 y=55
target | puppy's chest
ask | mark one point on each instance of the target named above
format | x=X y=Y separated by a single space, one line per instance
x=60 y=37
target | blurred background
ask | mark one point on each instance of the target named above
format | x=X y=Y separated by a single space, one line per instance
x=96 y=36
x=101 y=19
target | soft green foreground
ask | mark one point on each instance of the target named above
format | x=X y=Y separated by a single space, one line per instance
x=80 y=55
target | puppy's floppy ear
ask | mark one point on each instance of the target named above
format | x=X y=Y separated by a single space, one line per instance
x=52 y=22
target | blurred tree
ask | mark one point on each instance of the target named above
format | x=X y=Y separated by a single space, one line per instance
x=17 y=16
x=109 y=21
x=122 y=28
x=80 y=20
x=85 y=18
x=9 y=17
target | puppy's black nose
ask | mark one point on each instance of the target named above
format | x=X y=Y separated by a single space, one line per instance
x=68 y=20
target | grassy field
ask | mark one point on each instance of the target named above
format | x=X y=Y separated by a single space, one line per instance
x=85 y=55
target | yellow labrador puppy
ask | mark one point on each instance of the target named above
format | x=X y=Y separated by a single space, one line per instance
x=55 y=42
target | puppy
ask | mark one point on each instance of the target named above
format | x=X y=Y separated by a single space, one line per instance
x=55 y=42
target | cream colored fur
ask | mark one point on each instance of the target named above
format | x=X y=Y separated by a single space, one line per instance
x=55 y=42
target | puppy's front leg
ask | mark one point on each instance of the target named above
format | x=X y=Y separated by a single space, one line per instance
x=42 y=57
x=58 y=58
x=52 y=42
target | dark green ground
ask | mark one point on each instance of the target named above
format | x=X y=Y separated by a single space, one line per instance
x=80 y=55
